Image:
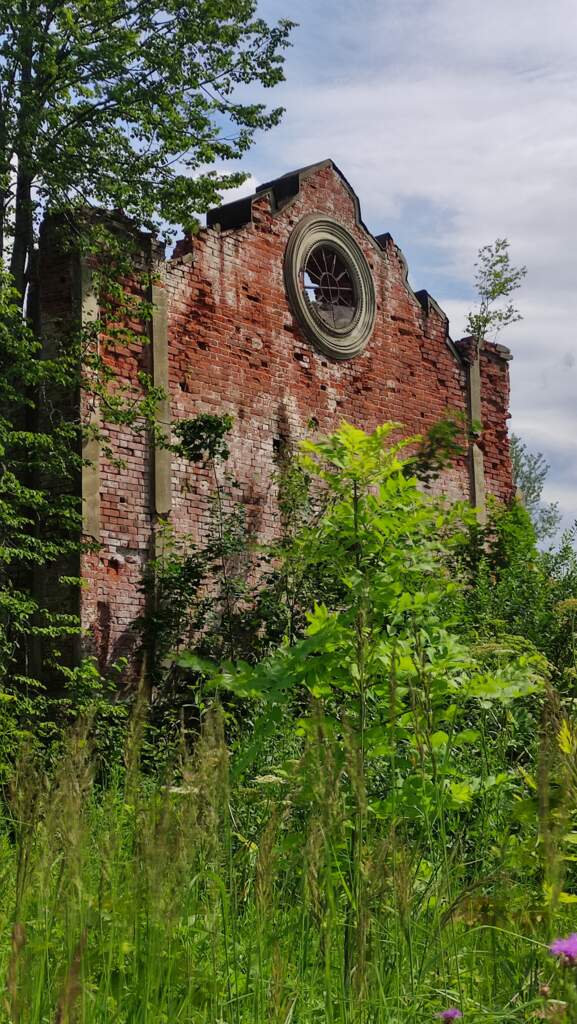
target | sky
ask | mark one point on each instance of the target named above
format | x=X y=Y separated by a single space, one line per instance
x=456 y=124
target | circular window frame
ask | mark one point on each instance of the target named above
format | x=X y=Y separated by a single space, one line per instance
x=311 y=232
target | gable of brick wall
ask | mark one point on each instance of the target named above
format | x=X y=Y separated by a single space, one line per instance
x=234 y=345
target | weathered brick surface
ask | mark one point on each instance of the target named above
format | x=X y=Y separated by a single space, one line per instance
x=494 y=440
x=112 y=599
x=235 y=346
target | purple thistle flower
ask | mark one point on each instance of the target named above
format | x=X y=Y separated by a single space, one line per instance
x=566 y=948
x=453 y=1013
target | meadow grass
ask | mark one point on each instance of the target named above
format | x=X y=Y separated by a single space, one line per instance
x=389 y=837
x=190 y=898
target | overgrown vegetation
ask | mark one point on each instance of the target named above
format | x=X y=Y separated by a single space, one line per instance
x=111 y=119
x=370 y=819
x=125 y=106
x=529 y=472
x=351 y=796
x=495 y=279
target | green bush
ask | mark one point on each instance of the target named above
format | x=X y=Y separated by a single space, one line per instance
x=513 y=589
x=388 y=835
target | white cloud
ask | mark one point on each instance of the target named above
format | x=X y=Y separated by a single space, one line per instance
x=467 y=110
x=246 y=189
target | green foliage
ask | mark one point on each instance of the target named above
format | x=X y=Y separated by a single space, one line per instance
x=383 y=655
x=444 y=443
x=125 y=105
x=495 y=280
x=171 y=583
x=514 y=590
x=120 y=106
x=90 y=698
x=202 y=439
x=39 y=523
x=529 y=472
x=189 y=588
x=36 y=718
x=389 y=833
x=192 y=590
x=225 y=595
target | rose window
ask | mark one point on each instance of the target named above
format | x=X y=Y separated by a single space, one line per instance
x=330 y=286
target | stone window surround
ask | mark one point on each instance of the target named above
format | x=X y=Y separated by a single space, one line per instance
x=335 y=342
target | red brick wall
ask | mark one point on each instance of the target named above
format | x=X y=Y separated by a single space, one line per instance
x=109 y=601
x=494 y=440
x=234 y=346
x=112 y=600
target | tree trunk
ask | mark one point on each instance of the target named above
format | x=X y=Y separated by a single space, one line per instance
x=23 y=233
x=2 y=220
x=23 y=211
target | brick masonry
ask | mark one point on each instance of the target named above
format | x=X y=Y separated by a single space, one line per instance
x=232 y=344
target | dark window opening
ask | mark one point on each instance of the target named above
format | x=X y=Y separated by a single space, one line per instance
x=329 y=287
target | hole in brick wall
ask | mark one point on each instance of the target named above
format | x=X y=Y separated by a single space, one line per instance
x=184 y=386
x=122 y=501
x=203 y=345
x=280 y=446
x=299 y=355
x=323 y=387
x=313 y=423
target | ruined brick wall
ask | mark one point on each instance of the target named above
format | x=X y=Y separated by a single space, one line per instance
x=113 y=599
x=494 y=440
x=234 y=345
x=490 y=407
x=118 y=511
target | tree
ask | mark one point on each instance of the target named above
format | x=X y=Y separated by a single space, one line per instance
x=529 y=472
x=495 y=279
x=125 y=104
x=379 y=672
x=39 y=525
x=115 y=105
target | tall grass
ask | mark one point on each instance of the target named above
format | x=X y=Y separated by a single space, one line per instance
x=191 y=899
x=406 y=844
